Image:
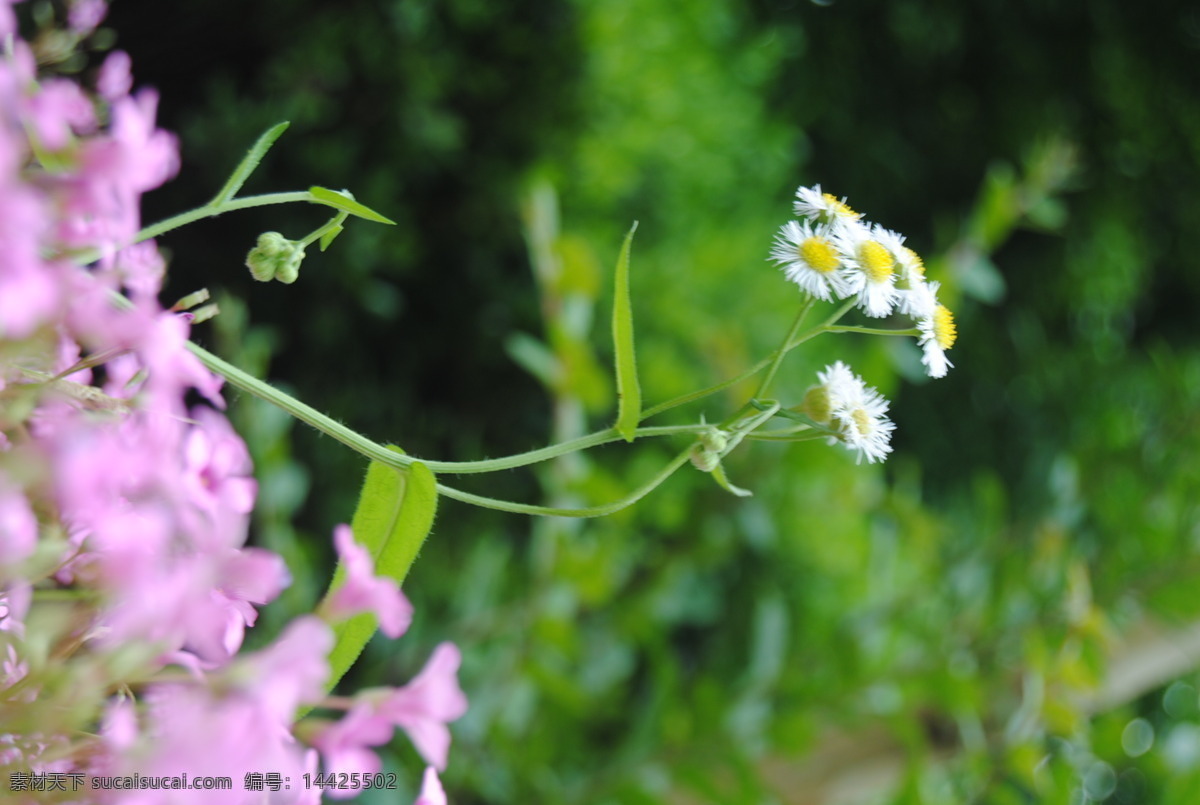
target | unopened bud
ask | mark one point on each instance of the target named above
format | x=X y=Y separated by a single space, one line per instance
x=817 y=405
x=706 y=453
x=275 y=258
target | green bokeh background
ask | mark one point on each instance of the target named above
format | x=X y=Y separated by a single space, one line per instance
x=947 y=617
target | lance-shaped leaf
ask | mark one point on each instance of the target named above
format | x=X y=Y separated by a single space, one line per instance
x=629 y=393
x=246 y=167
x=343 y=201
x=395 y=513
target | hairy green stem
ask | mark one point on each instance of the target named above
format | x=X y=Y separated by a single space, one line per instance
x=209 y=211
x=377 y=452
x=591 y=511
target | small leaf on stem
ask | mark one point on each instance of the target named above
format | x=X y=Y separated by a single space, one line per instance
x=343 y=201
x=629 y=393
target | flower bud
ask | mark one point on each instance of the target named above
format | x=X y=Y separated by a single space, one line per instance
x=706 y=453
x=817 y=405
x=275 y=258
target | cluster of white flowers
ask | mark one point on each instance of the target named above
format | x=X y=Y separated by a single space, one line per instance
x=832 y=253
x=855 y=412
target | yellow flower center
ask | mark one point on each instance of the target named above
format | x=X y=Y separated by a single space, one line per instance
x=944 y=331
x=876 y=261
x=819 y=254
x=840 y=208
x=862 y=421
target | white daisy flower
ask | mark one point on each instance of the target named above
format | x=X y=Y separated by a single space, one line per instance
x=872 y=266
x=910 y=281
x=823 y=208
x=855 y=412
x=810 y=259
x=938 y=331
x=839 y=381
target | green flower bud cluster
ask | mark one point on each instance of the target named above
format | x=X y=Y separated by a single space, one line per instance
x=707 y=452
x=275 y=258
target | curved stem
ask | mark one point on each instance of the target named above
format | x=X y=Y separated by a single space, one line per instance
x=590 y=511
x=377 y=452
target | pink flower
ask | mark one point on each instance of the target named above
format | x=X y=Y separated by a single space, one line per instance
x=363 y=591
x=8 y=20
x=57 y=110
x=216 y=484
x=29 y=293
x=115 y=78
x=421 y=708
x=198 y=731
x=293 y=670
x=424 y=706
x=99 y=204
x=432 y=792
x=18 y=526
x=141 y=268
x=85 y=15
x=343 y=744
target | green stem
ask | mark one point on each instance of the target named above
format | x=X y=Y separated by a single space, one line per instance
x=779 y=353
x=333 y=223
x=210 y=211
x=870 y=330
x=591 y=511
x=377 y=452
x=784 y=435
x=683 y=399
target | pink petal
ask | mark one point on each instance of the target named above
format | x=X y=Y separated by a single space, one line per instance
x=432 y=792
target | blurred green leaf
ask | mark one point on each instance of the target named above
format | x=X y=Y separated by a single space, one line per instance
x=395 y=514
x=629 y=392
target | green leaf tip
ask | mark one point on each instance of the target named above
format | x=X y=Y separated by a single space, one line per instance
x=249 y=162
x=344 y=201
x=629 y=393
x=328 y=237
x=718 y=474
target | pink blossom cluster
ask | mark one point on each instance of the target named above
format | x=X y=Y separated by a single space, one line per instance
x=126 y=584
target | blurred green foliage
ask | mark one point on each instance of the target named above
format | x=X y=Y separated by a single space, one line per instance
x=962 y=600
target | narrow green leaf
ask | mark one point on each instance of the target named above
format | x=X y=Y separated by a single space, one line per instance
x=395 y=513
x=246 y=167
x=629 y=393
x=343 y=201
x=328 y=237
